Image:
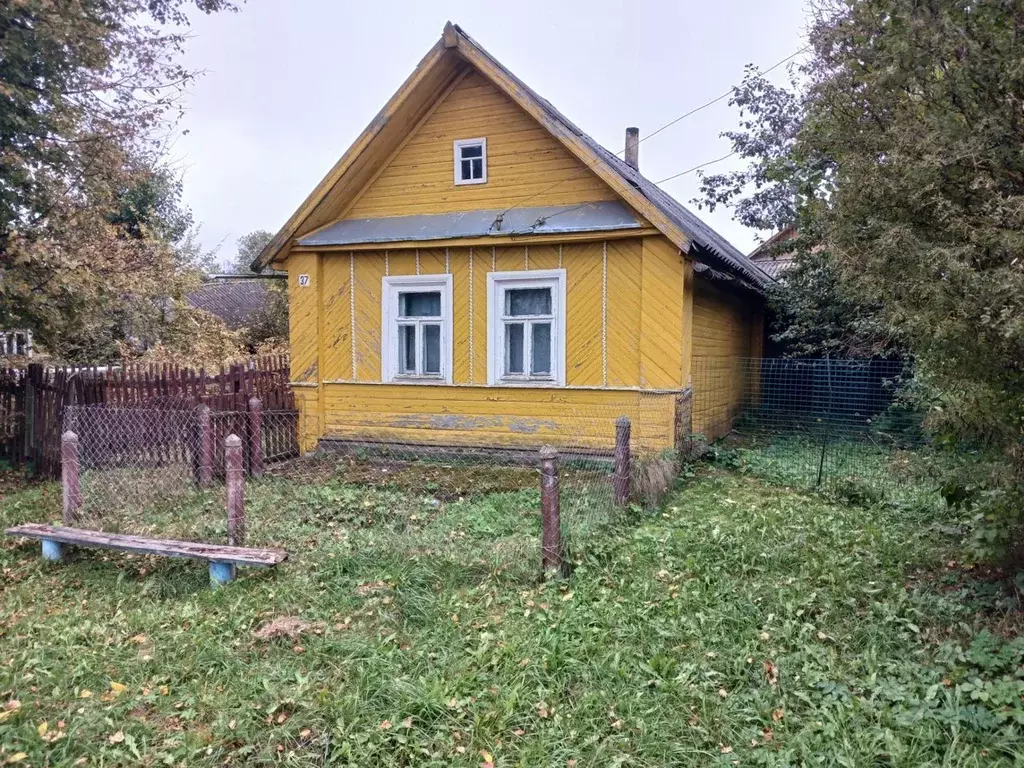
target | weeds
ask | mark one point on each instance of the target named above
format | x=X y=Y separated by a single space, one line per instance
x=741 y=622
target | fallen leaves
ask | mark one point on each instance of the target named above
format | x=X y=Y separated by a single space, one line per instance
x=9 y=709
x=771 y=673
x=290 y=627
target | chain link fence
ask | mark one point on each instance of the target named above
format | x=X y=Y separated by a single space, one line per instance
x=159 y=472
x=837 y=424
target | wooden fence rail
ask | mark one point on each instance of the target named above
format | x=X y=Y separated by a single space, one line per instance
x=32 y=400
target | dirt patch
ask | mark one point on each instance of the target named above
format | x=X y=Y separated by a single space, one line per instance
x=371 y=588
x=290 y=627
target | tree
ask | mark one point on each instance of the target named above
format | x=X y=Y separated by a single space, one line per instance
x=913 y=113
x=87 y=88
x=248 y=248
x=920 y=107
x=787 y=183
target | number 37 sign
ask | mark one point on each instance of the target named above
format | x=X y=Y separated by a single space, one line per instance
x=303 y=281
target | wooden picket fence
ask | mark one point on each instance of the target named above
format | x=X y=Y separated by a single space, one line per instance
x=32 y=400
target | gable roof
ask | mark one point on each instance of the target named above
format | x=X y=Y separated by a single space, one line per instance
x=442 y=65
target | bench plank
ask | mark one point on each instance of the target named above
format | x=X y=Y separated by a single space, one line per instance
x=193 y=550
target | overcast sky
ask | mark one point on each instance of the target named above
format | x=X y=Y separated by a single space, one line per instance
x=289 y=84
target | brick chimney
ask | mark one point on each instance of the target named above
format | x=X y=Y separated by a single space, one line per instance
x=633 y=147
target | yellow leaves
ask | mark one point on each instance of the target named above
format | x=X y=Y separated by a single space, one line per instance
x=488 y=759
x=385 y=725
x=85 y=694
x=164 y=690
x=9 y=709
x=778 y=714
x=116 y=689
x=116 y=738
x=17 y=757
x=567 y=597
x=42 y=728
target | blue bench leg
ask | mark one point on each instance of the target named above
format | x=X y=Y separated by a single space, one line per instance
x=221 y=573
x=53 y=551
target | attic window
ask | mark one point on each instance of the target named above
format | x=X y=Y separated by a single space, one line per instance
x=471 y=161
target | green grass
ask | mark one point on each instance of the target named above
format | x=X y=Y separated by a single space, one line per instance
x=744 y=622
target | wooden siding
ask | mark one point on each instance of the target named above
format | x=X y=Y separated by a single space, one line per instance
x=303 y=317
x=624 y=313
x=523 y=161
x=661 y=315
x=723 y=335
x=307 y=400
x=593 y=298
x=496 y=416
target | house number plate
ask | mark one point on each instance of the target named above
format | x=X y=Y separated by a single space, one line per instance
x=303 y=281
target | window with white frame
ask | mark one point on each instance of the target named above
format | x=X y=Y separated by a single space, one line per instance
x=417 y=328
x=471 y=161
x=526 y=324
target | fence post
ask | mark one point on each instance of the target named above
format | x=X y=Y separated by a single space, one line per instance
x=551 y=530
x=222 y=572
x=255 y=437
x=72 y=492
x=204 y=446
x=236 y=490
x=620 y=479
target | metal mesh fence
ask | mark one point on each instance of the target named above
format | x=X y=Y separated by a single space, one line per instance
x=159 y=472
x=836 y=424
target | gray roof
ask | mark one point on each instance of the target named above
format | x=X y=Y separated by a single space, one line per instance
x=709 y=243
x=558 y=219
x=235 y=301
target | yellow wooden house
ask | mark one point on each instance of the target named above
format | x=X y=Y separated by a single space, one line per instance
x=475 y=270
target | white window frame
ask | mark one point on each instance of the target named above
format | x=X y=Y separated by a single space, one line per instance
x=390 y=352
x=497 y=284
x=457 y=154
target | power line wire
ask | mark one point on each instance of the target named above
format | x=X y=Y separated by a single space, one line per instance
x=717 y=99
x=696 y=168
x=544 y=219
x=669 y=124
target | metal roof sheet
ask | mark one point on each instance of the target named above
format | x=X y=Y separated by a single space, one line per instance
x=558 y=219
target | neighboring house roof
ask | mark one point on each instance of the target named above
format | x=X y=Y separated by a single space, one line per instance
x=455 y=49
x=235 y=299
x=766 y=255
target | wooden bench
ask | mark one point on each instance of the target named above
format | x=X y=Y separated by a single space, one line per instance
x=222 y=559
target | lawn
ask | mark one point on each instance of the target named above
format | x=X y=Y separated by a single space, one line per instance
x=744 y=623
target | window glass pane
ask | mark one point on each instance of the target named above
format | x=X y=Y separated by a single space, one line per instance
x=513 y=349
x=540 y=354
x=467 y=169
x=407 y=349
x=419 y=304
x=528 y=301
x=473 y=150
x=432 y=350
x=478 y=169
